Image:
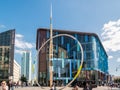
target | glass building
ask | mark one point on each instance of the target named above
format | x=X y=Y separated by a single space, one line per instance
x=7 y=40
x=26 y=64
x=67 y=57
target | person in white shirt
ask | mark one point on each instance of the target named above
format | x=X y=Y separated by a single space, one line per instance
x=4 y=86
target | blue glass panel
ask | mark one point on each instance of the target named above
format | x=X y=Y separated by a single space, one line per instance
x=68 y=47
x=48 y=34
x=57 y=48
x=78 y=64
x=86 y=38
x=59 y=73
x=62 y=59
x=78 y=47
x=62 y=40
x=84 y=55
x=76 y=38
x=74 y=54
x=70 y=69
x=66 y=72
x=66 y=80
x=56 y=33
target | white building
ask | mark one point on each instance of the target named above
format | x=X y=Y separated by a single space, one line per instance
x=16 y=72
x=26 y=64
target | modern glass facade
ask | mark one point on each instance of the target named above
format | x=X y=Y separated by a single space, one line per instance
x=6 y=54
x=67 y=57
x=26 y=64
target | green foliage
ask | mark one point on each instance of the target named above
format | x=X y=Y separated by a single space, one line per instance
x=117 y=80
x=23 y=79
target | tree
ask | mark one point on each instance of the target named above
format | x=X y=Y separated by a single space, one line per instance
x=117 y=80
x=23 y=78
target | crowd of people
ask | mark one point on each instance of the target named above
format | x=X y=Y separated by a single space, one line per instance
x=7 y=86
x=86 y=86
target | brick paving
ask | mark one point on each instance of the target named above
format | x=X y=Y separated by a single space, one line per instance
x=68 y=88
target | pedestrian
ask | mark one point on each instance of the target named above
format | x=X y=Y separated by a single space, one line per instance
x=10 y=85
x=75 y=88
x=52 y=88
x=4 y=86
x=87 y=87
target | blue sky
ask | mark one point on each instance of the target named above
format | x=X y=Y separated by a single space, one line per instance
x=99 y=16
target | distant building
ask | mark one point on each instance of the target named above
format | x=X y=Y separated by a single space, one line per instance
x=115 y=77
x=16 y=72
x=34 y=69
x=26 y=64
x=7 y=40
x=67 y=57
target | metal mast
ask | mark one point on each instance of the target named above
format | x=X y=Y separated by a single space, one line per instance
x=51 y=50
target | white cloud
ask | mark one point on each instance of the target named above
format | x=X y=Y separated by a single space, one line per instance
x=110 y=57
x=19 y=36
x=21 y=44
x=111 y=36
x=118 y=60
x=2 y=26
x=18 y=51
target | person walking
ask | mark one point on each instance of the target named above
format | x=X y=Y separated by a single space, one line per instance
x=75 y=87
x=87 y=87
x=53 y=87
x=4 y=86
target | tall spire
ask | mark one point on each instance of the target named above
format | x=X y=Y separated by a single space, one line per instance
x=51 y=50
x=51 y=12
x=51 y=21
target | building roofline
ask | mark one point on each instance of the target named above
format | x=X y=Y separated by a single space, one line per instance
x=7 y=31
x=70 y=31
x=17 y=63
x=66 y=30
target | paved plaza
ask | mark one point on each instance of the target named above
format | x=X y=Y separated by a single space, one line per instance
x=68 y=88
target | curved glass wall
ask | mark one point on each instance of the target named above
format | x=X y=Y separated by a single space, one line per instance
x=67 y=57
